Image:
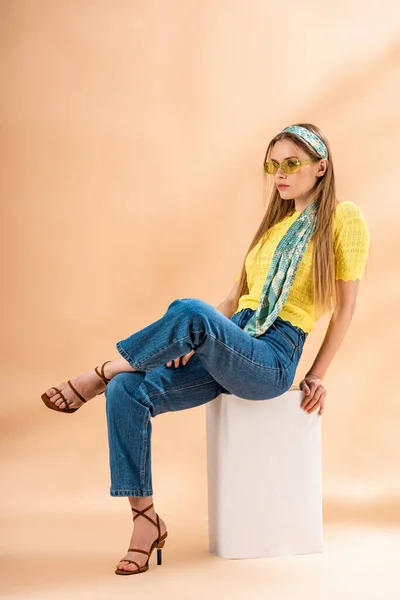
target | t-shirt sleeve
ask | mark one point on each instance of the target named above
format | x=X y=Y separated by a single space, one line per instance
x=352 y=240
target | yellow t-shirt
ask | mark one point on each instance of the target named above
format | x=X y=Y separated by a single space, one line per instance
x=351 y=245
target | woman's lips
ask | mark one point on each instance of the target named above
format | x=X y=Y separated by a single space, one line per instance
x=282 y=186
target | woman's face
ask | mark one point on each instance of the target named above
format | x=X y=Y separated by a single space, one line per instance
x=298 y=184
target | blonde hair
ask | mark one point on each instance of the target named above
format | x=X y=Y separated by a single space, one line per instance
x=324 y=193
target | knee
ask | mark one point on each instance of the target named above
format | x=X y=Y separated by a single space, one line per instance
x=116 y=383
x=190 y=305
x=116 y=390
x=124 y=394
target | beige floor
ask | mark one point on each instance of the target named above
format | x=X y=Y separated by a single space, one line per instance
x=55 y=557
x=61 y=533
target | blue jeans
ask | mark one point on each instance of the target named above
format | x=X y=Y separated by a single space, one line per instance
x=226 y=360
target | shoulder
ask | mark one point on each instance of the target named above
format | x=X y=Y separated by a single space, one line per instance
x=347 y=208
x=348 y=214
x=351 y=231
x=351 y=241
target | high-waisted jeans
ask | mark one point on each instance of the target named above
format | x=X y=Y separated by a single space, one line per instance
x=226 y=360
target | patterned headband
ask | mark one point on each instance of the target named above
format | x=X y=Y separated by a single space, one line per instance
x=313 y=140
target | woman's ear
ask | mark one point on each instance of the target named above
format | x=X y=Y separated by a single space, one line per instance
x=322 y=167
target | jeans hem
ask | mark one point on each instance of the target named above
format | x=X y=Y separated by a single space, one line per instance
x=126 y=356
x=139 y=493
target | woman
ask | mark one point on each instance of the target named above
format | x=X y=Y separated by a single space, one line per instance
x=306 y=258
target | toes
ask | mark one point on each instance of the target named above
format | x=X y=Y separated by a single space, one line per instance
x=61 y=403
x=53 y=394
x=125 y=566
x=56 y=398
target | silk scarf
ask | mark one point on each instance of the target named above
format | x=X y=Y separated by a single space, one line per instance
x=282 y=271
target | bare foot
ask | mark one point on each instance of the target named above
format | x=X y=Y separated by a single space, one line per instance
x=88 y=384
x=143 y=536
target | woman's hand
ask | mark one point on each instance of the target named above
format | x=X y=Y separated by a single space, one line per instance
x=315 y=393
x=183 y=359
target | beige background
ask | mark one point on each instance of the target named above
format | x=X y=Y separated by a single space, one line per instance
x=133 y=135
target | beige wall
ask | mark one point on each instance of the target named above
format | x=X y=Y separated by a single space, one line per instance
x=133 y=135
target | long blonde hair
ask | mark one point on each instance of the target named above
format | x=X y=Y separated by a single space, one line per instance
x=324 y=193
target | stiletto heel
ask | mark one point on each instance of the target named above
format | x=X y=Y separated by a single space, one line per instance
x=159 y=552
x=158 y=543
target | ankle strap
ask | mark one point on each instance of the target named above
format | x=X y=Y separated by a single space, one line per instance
x=140 y=513
x=101 y=374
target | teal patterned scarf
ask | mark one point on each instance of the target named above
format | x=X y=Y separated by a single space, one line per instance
x=284 y=265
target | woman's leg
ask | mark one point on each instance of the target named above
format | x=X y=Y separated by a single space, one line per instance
x=131 y=400
x=253 y=368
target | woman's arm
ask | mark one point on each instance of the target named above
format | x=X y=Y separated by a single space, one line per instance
x=338 y=326
x=227 y=306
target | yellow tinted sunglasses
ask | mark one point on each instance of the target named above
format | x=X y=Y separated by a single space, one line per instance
x=290 y=165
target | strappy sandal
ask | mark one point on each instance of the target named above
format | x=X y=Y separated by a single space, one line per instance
x=158 y=543
x=52 y=406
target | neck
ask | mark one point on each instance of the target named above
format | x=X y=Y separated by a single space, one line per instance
x=301 y=204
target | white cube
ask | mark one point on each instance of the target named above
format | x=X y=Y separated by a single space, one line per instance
x=264 y=477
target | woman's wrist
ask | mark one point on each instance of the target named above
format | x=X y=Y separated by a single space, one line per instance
x=313 y=374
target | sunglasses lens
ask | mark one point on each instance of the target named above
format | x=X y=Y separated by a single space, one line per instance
x=290 y=166
x=270 y=167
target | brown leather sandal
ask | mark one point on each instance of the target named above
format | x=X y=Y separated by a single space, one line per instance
x=52 y=406
x=158 y=543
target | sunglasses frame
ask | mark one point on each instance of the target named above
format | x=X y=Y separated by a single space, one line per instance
x=299 y=163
